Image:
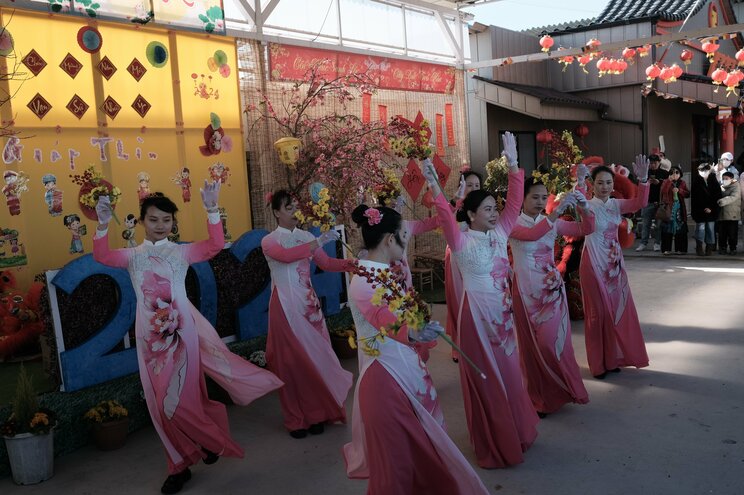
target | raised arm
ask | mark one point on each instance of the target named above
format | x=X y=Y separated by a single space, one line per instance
x=537 y=231
x=635 y=204
x=416 y=227
x=118 y=258
x=331 y=264
x=271 y=248
x=514 y=198
x=197 y=252
x=377 y=316
x=577 y=229
x=452 y=233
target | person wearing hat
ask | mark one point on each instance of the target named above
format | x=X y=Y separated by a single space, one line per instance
x=52 y=195
x=655 y=177
x=725 y=164
x=705 y=193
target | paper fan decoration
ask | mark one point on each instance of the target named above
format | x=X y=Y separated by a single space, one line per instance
x=6 y=43
x=157 y=54
x=89 y=39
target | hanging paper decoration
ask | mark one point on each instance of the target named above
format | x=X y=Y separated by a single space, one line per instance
x=110 y=107
x=77 y=230
x=89 y=39
x=413 y=180
x=366 y=107
x=70 y=65
x=12 y=252
x=218 y=62
x=34 y=62
x=652 y=72
x=52 y=194
x=184 y=182
x=583 y=60
x=128 y=233
x=443 y=170
x=16 y=183
x=215 y=139
x=710 y=48
x=603 y=66
x=546 y=42
x=6 y=43
x=157 y=54
x=677 y=71
x=565 y=60
x=143 y=190
x=219 y=172
x=629 y=55
x=686 y=57
x=449 y=121
x=718 y=76
x=136 y=69
x=39 y=106
x=92 y=186
x=439 y=122
x=544 y=137
x=732 y=80
x=107 y=68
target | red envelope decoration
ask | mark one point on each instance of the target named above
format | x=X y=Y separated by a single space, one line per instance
x=417 y=126
x=413 y=180
x=443 y=170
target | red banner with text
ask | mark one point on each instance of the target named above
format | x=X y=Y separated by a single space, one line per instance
x=291 y=63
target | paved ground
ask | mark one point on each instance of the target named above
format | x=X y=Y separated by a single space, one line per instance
x=676 y=427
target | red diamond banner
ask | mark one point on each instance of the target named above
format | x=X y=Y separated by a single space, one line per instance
x=77 y=106
x=106 y=68
x=71 y=66
x=141 y=106
x=413 y=180
x=34 y=62
x=136 y=69
x=443 y=170
x=110 y=107
x=39 y=106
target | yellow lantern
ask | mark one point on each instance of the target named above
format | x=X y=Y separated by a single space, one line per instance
x=288 y=149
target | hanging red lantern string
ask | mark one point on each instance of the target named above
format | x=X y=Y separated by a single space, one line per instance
x=676 y=71
x=583 y=60
x=710 y=47
x=732 y=81
x=686 y=57
x=629 y=55
x=622 y=66
x=667 y=75
x=546 y=42
x=581 y=131
x=592 y=46
x=566 y=60
x=652 y=72
x=718 y=77
x=643 y=50
x=544 y=137
x=603 y=66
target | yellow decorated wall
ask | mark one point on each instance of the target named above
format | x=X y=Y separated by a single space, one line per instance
x=190 y=85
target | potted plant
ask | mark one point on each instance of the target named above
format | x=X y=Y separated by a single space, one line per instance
x=28 y=435
x=110 y=424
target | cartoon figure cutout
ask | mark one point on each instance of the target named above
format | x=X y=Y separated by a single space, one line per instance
x=143 y=178
x=16 y=183
x=12 y=251
x=52 y=195
x=72 y=222
x=128 y=233
x=219 y=172
x=184 y=182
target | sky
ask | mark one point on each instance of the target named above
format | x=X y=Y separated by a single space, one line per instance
x=524 y=14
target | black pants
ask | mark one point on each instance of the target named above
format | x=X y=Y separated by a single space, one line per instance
x=728 y=234
x=680 y=242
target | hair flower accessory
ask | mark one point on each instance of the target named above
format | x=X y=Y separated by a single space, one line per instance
x=373 y=216
x=268 y=197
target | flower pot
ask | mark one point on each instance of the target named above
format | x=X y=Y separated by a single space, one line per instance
x=31 y=457
x=341 y=347
x=111 y=435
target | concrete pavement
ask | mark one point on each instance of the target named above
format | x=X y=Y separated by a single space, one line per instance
x=676 y=427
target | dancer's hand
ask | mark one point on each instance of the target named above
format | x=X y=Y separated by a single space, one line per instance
x=104 y=210
x=461 y=189
x=430 y=174
x=568 y=201
x=400 y=202
x=581 y=200
x=582 y=172
x=640 y=167
x=430 y=332
x=510 y=151
x=210 y=194
x=326 y=237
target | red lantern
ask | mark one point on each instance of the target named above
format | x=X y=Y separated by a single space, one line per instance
x=581 y=130
x=629 y=54
x=686 y=57
x=732 y=81
x=546 y=42
x=718 y=76
x=544 y=136
x=622 y=66
x=667 y=75
x=614 y=66
x=583 y=60
x=652 y=72
x=603 y=66
x=710 y=48
x=740 y=57
x=643 y=50
x=593 y=44
x=677 y=71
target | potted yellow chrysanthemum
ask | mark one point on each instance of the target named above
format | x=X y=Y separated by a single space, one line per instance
x=110 y=424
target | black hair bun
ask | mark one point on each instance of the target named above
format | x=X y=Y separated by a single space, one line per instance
x=357 y=216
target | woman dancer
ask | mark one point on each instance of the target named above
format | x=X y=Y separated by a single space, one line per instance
x=500 y=416
x=539 y=299
x=298 y=349
x=398 y=439
x=611 y=327
x=176 y=345
x=469 y=181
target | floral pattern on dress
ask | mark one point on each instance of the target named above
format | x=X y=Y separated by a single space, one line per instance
x=503 y=324
x=427 y=396
x=163 y=340
x=550 y=296
x=312 y=312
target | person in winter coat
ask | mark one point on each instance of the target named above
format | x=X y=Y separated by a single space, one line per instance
x=673 y=193
x=730 y=214
x=704 y=198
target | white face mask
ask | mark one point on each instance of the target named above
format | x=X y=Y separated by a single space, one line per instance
x=704 y=173
x=727 y=182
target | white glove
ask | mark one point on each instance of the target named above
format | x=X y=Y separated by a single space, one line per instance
x=363 y=254
x=581 y=200
x=104 y=210
x=399 y=204
x=510 y=149
x=326 y=237
x=430 y=173
x=568 y=201
x=582 y=172
x=640 y=167
x=430 y=332
x=461 y=189
x=210 y=194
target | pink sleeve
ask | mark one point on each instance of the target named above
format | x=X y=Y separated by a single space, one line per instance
x=416 y=227
x=377 y=316
x=273 y=249
x=514 y=198
x=197 y=252
x=328 y=264
x=537 y=231
x=577 y=229
x=118 y=258
x=635 y=204
x=452 y=232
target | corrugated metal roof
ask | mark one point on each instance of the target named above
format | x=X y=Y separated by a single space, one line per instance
x=547 y=95
x=552 y=28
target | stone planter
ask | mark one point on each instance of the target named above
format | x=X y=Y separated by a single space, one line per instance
x=31 y=457
x=110 y=435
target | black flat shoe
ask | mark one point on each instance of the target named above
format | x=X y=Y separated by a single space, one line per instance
x=542 y=415
x=210 y=457
x=298 y=434
x=615 y=370
x=175 y=482
x=316 y=429
x=601 y=376
x=455 y=360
